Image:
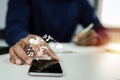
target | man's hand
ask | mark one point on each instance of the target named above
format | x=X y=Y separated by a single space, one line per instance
x=18 y=54
x=92 y=38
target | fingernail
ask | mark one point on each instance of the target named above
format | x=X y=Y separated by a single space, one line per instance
x=18 y=61
x=28 y=61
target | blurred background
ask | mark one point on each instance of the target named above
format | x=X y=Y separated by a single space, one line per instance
x=3 y=9
x=107 y=11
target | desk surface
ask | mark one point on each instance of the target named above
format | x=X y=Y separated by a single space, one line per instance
x=76 y=66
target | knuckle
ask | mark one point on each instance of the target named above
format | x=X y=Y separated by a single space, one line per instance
x=24 y=57
x=29 y=35
x=10 y=50
x=22 y=40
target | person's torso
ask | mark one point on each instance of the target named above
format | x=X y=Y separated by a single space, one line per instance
x=57 y=18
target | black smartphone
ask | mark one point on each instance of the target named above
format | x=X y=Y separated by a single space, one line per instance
x=45 y=67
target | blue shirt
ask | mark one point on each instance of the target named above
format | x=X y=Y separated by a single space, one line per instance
x=57 y=18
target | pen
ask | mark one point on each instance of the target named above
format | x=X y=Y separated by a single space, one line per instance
x=88 y=28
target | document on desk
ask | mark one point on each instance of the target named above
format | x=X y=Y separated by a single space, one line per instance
x=72 y=48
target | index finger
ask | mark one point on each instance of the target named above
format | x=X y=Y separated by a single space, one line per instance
x=52 y=54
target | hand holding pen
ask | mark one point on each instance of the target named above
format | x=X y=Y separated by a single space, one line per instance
x=87 y=37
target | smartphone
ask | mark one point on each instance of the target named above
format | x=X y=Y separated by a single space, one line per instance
x=45 y=67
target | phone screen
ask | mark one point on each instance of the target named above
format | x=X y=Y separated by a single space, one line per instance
x=44 y=67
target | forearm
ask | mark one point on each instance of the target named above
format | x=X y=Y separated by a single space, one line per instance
x=14 y=36
x=17 y=21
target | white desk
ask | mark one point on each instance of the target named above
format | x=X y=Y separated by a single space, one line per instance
x=87 y=65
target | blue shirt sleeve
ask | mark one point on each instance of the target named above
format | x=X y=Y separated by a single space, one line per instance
x=17 y=21
x=88 y=16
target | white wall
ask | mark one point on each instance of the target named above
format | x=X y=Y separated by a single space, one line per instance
x=91 y=2
x=110 y=13
x=3 y=9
